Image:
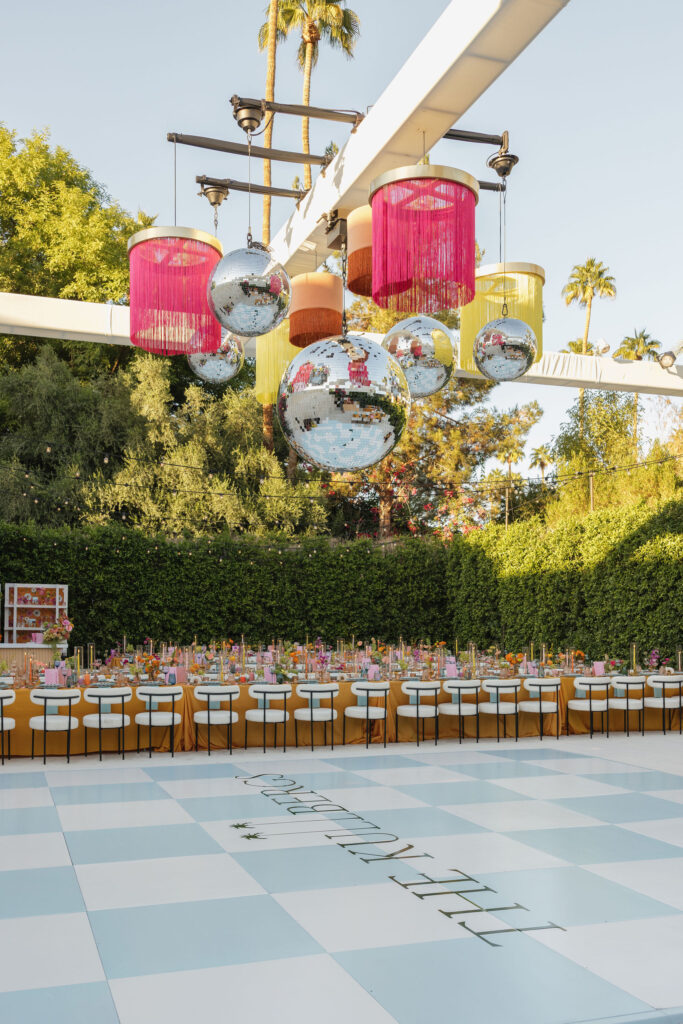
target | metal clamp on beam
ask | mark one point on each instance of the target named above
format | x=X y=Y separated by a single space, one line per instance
x=501 y=162
x=239 y=149
x=231 y=185
x=249 y=112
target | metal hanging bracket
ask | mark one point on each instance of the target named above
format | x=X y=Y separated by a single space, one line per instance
x=250 y=112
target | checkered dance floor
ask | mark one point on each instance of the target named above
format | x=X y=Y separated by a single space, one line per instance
x=539 y=883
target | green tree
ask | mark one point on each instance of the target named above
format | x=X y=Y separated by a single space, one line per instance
x=62 y=237
x=640 y=345
x=586 y=281
x=576 y=348
x=541 y=458
x=317 y=20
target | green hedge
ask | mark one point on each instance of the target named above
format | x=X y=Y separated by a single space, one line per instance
x=598 y=583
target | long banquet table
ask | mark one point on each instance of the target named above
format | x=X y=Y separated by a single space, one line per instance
x=23 y=709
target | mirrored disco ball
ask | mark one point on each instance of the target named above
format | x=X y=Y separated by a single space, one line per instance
x=221 y=366
x=425 y=351
x=343 y=403
x=248 y=292
x=504 y=349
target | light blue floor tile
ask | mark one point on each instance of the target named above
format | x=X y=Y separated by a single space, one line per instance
x=597 y=844
x=22 y=780
x=521 y=982
x=640 y=781
x=674 y=1016
x=65 y=1004
x=422 y=821
x=314 y=867
x=366 y=762
x=232 y=808
x=36 y=891
x=27 y=820
x=332 y=780
x=445 y=793
x=117 y=792
x=623 y=807
x=211 y=770
x=188 y=936
x=549 y=752
x=571 y=896
x=99 y=846
x=501 y=770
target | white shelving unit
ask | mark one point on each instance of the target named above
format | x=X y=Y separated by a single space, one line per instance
x=31 y=608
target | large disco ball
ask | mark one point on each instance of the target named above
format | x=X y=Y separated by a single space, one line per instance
x=343 y=403
x=249 y=292
x=504 y=349
x=221 y=366
x=425 y=351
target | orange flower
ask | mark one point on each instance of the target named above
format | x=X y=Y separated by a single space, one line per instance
x=579 y=654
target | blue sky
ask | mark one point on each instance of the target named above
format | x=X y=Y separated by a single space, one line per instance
x=592 y=106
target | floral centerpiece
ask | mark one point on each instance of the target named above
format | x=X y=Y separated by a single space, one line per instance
x=57 y=635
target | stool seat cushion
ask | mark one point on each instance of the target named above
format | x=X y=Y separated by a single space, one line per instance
x=53 y=723
x=218 y=717
x=318 y=714
x=272 y=715
x=461 y=710
x=110 y=720
x=544 y=707
x=417 y=710
x=656 y=702
x=8 y=724
x=621 y=703
x=505 y=707
x=158 y=718
x=582 y=704
x=356 y=711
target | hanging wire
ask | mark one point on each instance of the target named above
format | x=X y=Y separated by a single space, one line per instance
x=504 y=310
x=343 y=263
x=175 y=183
x=249 y=235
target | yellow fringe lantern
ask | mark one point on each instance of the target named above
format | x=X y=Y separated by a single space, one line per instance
x=521 y=285
x=273 y=355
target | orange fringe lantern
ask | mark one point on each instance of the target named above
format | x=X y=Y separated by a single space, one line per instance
x=359 y=246
x=316 y=308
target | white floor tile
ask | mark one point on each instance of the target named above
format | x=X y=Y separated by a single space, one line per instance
x=675 y=795
x=186 y=789
x=642 y=957
x=669 y=830
x=38 y=952
x=85 y=773
x=33 y=851
x=583 y=766
x=515 y=815
x=171 y=880
x=371 y=798
x=10 y=799
x=301 y=990
x=558 y=787
x=75 y=817
x=482 y=853
x=412 y=776
x=660 y=879
x=369 y=916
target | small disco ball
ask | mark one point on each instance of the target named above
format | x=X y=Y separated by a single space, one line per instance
x=343 y=403
x=222 y=365
x=504 y=349
x=249 y=292
x=425 y=351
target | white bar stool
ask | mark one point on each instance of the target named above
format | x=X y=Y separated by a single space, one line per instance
x=501 y=708
x=538 y=705
x=7 y=697
x=459 y=708
x=152 y=718
x=314 y=693
x=264 y=693
x=415 y=689
x=660 y=684
x=107 y=719
x=591 y=704
x=51 y=721
x=363 y=710
x=623 y=701
x=214 y=695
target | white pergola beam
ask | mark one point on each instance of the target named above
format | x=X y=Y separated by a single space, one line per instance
x=469 y=46
x=65 y=319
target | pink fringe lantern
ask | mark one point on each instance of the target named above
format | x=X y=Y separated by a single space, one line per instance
x=423 y=245
x=169 y=273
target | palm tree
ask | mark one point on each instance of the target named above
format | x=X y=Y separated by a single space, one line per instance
x=541 y=457
x=639 y=346
x=270 y=95
x=576 y=348
x=586 y=281
x=268 y=140
x=317 y=20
